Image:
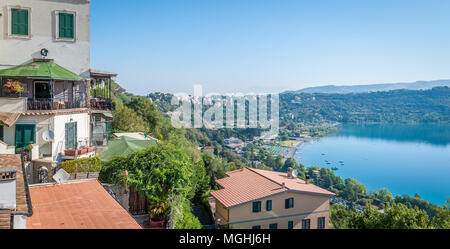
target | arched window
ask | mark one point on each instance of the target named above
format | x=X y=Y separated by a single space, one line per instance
x=43 y=175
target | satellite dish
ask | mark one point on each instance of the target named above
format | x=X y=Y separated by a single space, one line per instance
x=295 y=173
x=48 y=136
x=44 y=52
x=61 y=176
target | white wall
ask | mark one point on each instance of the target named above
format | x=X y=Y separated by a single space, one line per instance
x=15 y=105
x=8 y=194
x=75 y=56
x=83 y=126
x=6 y=149
x=54 y=123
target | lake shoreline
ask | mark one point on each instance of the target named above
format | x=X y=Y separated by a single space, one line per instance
x=392 y=155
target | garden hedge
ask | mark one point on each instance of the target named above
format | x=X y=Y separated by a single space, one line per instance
x=92 y=164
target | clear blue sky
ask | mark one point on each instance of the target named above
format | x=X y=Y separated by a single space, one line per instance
x=247 y=46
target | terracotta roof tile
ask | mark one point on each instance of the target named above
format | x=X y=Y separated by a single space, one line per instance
x=247 y=185
x=15 y=161
x=77 y=205
x=55 y=112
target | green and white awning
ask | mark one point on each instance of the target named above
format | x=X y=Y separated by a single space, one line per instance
x=41 y=69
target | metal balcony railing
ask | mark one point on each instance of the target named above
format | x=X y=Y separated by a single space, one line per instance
x=54 y=104
x=103 y=104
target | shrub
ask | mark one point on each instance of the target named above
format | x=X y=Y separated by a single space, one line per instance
x=92 y=164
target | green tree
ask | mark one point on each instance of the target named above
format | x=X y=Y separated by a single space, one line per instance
x=126 y=120
x=398 y=216
x=353 y=190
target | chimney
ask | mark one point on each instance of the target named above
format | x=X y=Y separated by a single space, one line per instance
x=308 y=179
x=283 y=185
x=8 y=188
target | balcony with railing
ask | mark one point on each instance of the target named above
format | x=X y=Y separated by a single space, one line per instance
x=42 y=85
x=101 y=90
x=45 y=95
x=61 y=103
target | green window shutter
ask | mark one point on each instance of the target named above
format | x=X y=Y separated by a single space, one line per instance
x=19 y=22
x=75 y=137
x=66 y=25
x=290 y=225
x=71 y=135
x=256 y=207
x=25 y=135
x=19 y=136
x=28 y=135
x=269 y=205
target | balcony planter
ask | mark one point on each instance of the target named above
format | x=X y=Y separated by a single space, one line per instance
x=93 y=175
x=90 y=149
x=83 y=151
x=12 y=87
x=71 y=152
x=73 y=176
x=82 y=175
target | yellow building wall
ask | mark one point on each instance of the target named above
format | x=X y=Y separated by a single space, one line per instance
x=306 y=206
x=221 y=213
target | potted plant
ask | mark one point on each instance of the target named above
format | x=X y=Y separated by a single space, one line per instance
x=83 y=151
x=157 y=212
x=13 y=87
x=71 y=152
x=27 y=152
x=90 y=149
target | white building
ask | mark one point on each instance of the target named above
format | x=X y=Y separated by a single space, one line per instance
x=51 y=103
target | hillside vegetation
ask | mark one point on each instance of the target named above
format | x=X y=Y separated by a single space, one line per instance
x=400 y=106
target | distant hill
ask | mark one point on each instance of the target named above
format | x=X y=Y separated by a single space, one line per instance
x=398 y=106
x=419 y=85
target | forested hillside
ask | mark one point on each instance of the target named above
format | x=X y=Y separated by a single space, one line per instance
x=400 y=106
x=178 y=163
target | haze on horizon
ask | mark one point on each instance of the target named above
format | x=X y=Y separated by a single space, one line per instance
x=231 y=46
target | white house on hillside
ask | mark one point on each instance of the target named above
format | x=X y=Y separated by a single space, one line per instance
x=53 y=106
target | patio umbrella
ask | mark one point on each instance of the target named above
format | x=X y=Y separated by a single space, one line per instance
x=125 y=145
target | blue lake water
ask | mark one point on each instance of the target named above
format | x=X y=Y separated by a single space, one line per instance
x=406 y=159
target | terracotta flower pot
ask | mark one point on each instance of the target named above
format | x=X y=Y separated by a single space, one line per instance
x=70 y=152
x=90 y=149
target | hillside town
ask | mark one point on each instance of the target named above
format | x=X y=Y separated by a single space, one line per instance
x=78 y=151
x=55 y=132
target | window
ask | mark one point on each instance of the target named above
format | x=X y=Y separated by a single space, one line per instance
x=290 y=225
x=25 y=135
x=289 y=203
x=273 y=226
x=66 y=25
x=321 y=223
x=269 y=205
x=256 y=207
x=256 y=227
x=71 y=135
x=1 y=133
x=19 y=22
x=306 y=224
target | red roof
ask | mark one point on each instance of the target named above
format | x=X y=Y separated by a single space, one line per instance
x=245 y=185
x=77 y=205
